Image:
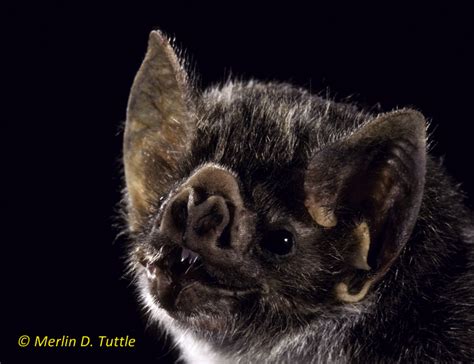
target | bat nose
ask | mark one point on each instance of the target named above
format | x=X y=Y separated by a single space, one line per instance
x=207 y=216
x=200 y=222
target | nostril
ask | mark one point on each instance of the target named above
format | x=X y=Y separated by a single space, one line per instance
x=199 y=195
x=179 y=213
x=225 y=238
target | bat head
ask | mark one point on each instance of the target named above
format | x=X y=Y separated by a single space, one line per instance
x=257 y=208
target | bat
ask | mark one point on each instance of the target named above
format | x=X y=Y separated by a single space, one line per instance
x=269 y=224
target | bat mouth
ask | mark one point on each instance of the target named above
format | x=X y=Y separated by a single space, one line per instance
x=178 y=273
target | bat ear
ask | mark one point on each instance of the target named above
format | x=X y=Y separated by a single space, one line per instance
x=372 y=179
x=157 y=127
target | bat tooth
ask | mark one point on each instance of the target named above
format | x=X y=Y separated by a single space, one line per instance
x=185 y=254
x=188 y=256
x=193 y=256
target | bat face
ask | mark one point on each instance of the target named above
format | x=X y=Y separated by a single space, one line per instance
x=213 y=260
x=232 y=238
x=255 y=209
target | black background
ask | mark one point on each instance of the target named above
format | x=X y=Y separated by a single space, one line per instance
x=67 y=70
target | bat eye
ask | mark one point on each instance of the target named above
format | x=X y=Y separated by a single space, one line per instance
x=278 y=242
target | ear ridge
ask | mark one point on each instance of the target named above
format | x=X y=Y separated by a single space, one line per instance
x=409 y=160
x=399 y=123
x=159 y=114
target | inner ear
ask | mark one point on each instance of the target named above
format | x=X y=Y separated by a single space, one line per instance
x=374 y=177
x=385 y=191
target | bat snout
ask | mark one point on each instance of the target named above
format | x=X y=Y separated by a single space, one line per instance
x=206 y=215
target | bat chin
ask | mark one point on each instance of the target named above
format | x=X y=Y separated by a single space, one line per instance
x=180 y=283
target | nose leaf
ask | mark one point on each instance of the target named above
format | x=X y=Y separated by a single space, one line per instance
x=192 y=222
x=206 y=216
